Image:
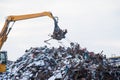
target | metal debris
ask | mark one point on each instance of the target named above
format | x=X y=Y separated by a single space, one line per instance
x=71 y=63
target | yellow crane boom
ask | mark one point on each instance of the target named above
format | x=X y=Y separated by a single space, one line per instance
x=5 y=30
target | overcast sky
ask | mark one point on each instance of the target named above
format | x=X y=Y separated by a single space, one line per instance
x=94 y=24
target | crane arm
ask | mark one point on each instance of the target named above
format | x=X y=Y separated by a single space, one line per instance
x=5 y=30
x=29 y=16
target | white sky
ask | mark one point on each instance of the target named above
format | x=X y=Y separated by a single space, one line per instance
x=94 y=24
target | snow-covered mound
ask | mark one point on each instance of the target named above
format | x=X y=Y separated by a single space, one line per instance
x=71 y=63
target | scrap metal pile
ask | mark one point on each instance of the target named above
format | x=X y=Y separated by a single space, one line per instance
x=71 y=63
